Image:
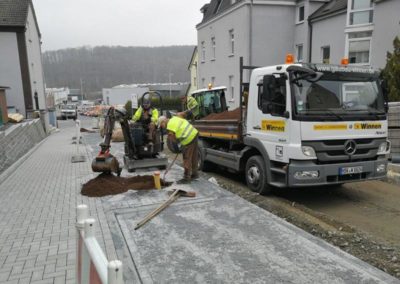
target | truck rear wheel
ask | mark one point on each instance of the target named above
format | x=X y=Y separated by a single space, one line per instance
x=256 y=175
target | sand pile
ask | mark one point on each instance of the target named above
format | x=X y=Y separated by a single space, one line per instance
x=233 y=114
x=106 y=184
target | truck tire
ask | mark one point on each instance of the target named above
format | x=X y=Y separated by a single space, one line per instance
x=256 y=175
x=203 y=165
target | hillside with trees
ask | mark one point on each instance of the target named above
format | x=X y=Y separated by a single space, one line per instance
x=105 y=66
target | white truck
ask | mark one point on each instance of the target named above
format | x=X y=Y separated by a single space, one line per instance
x=303 y=125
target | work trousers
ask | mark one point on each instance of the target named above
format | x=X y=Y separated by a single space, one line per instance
x=190 y=158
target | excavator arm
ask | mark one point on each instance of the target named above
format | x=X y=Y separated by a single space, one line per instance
x=105 y=162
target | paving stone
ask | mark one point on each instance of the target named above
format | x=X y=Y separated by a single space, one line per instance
x=37 y=228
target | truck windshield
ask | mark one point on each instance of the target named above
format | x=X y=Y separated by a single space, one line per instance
x=338 y=96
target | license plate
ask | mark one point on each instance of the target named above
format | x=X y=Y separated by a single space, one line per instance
x=350 y=170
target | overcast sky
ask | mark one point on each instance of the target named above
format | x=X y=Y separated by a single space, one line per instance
x=73 y=23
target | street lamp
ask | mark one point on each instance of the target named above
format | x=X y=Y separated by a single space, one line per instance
x=170 y=84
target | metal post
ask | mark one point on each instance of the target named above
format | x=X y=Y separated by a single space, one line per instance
x=78 y=134
x=82 y=213
x=114 y=272
x=88 y=232
x=170 y=84
x=241 y=89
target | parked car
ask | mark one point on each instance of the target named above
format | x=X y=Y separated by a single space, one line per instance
x=69 y=111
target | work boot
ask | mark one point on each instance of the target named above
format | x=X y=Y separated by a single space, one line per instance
x=195 y=176
x=185 y=180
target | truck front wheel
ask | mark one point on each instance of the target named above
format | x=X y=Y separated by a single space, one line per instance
x=203 y=165
x=256 y=177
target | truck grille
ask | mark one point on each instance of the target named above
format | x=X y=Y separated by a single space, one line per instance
x=333 y=151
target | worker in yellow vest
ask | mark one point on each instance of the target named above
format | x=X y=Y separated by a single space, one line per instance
x=192 y=108
x=148 y=116
x=182 y=132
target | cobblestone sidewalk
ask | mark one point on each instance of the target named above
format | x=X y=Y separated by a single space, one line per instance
x=38 y=210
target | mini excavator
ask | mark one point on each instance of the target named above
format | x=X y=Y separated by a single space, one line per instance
x=139 y=152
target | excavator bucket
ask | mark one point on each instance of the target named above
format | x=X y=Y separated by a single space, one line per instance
x=106 y=165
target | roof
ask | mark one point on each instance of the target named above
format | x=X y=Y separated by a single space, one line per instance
x=3 y=87
x=13 y=13
x=329 y=8
x=215 y=7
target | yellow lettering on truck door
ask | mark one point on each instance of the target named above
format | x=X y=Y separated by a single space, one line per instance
x=273 y=125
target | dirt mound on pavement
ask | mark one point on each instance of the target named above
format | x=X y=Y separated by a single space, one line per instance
x=233 y=114
x=107 y=184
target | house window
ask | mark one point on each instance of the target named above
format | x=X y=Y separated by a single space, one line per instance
x=212 y=81
x=218 y=6
x=299 y=52
x=194 y=81
x=232 y=42
x=361 y=12
x=203 y=82
x=213 y=47
x=300 y=14
x=231 y=87
x=326 y=54
x=203 y=51
x=359 y=46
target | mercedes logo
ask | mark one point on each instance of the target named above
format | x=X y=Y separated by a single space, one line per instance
x=350 y=147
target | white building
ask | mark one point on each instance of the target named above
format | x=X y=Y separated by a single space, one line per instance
x=122 y=93
x=56 y=96
x=264 y=31
x=119 y=95
x=20 y=55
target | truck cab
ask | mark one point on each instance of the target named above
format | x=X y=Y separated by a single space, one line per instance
x=303 y=125
x=318 y=124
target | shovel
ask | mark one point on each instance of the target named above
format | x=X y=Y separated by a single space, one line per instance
x=174 y=196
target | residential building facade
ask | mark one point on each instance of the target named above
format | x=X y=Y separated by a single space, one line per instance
x=20 y=61
x=360 y=30
x=264 y=31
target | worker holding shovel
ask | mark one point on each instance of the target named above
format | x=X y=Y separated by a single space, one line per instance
x=180 y=131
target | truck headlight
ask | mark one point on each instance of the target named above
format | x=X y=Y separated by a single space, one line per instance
x=381 y=168
x=306 y=174
x=308 y=151
x=384 y=147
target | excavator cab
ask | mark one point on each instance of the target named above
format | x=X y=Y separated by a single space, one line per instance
x=141 y=132
x=211 y=100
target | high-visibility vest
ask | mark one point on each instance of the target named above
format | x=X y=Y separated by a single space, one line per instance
x=193 y=106
x=153 y=113
x=184 y=131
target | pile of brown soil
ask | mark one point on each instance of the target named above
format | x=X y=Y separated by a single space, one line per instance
x=108 y=184
x=233 y=114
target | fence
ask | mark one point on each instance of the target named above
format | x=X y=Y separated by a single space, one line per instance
x=92 y=266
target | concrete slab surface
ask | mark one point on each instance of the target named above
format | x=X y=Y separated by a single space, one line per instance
x=218 y=237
